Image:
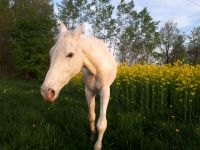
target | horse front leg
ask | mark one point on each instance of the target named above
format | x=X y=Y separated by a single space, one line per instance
x=90 y=96
x=102 y=121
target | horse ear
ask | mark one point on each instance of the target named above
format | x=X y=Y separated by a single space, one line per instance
x=61 y=27
x=80 y=30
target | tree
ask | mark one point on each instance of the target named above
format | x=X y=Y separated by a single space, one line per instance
x=124 y=30
x=32 y=36
x=99 y=16
x=6 y=20
x=169 y=37
x=137 y=33
x=147 y=37
x=72 y=13
x=194 y=46
x=179 y=50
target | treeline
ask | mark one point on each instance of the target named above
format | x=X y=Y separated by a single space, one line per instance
x=28 y=27
x=26 y=35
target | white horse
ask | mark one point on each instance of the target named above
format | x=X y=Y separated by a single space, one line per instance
x=74 y=51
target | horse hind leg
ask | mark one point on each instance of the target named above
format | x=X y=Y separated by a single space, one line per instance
x=102 y=121
x=90 y=96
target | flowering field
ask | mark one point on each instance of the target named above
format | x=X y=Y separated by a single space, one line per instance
x=168 y=92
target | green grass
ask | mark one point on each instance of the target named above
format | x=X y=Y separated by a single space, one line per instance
x=27 y=122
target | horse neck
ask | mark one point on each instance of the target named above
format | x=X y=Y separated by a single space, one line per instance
x=89 y=64
x=91 y=54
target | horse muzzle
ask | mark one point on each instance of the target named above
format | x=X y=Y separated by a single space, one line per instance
x=48 y=94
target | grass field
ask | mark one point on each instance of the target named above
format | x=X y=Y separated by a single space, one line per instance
x=27 y=122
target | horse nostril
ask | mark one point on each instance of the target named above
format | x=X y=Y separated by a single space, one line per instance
x=51 y=93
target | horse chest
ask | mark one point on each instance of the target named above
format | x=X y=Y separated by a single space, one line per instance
x=90 y=80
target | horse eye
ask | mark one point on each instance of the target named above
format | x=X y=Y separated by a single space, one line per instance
x=70 y=54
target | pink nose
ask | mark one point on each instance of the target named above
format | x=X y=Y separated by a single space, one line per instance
x=48 y=94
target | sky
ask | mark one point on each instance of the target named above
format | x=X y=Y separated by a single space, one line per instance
x=186 y=13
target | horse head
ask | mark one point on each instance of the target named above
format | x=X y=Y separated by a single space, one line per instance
x=66 y=60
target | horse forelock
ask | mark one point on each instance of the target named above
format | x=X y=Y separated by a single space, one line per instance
x=61 y=36
x=63 y=39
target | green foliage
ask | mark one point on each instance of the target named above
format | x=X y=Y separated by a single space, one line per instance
x=6 y=19
x=137 y=32
x=194 y=46
x=99 y=16
x=72 y=13
x=148 y=36
x=33 y=37
x=172 y=43
x=124 y=30
x=179 y=50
